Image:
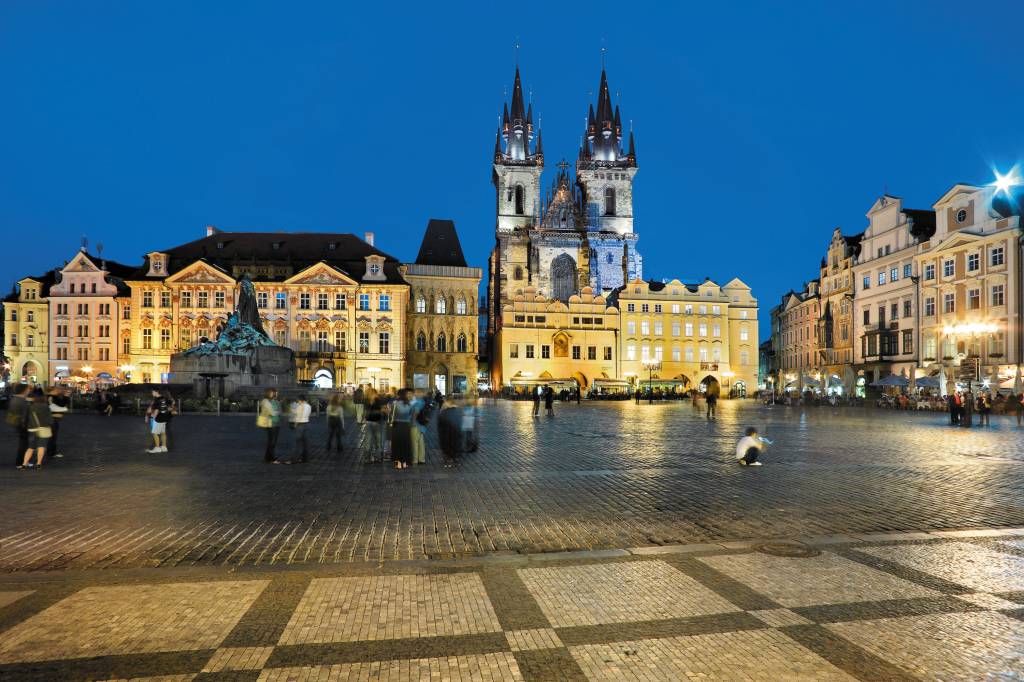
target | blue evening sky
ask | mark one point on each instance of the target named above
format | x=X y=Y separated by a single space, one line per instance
x=759 y=126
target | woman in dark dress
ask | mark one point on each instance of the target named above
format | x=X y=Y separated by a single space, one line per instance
x=403 y=415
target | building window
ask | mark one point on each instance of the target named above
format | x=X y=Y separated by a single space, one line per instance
x=908 y=270
x=744 y=333
x=608 y=353
x=421 y=304
x=894 y=275
x=645 y=308
x=609 y=201
x=716 y=310
x=529 y=351
x=126 y=346
x=906 y=308
x=645 y=353
x=322 y=301
x=384 y=302
x=688 y=353
x=703 y=354
x=998 y=297
x=513 y=351
x=867 y=316
x=165 y=338
x=703 y=309
x=165 y=299
x=973 y=262
x=147 y=339
x=631 y=327
x=929 y=307
x=702 y=329
x=185 y=338
x=304 y=303
x=689 y=328
x=281 y=337
x=894 y=311
x=908 y=341
x=339 y=340
x=973 y=299
x=948 y=268
x=545 y=351
x=929 y=271
x=675 y=308
x=520 y=196
x=591 y=352
x=949 y=303
x=383 y=342
x=339 y=301
x=147 y=299
x=364 y=342
x=716 y=330
x=867 y=283
x=688 y=309
x=631 y=352
x=630 y=307
x=441 y=305
x=460 y=307
x=442 y=343
x=461 y=344
x=280 y=300
x=961 y=215
x=675 y=329
x=218 y=299
x=517 y=273
x=929 y=348
x=997 y=257
x=881 y=278
x=576 y=353
x=364 y=301
x=421 y=341
x=645 y=327
x=262 y=299
x=203 y=299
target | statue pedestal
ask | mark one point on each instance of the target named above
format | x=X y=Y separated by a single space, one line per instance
x=221 y=374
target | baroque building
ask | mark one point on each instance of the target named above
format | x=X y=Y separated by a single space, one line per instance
x=886 y=311
x=689 y=336
x=835 y=322
x=334 y=299
x=579 y=234
x=26 y=329
x=795 y=338
x=442 y=336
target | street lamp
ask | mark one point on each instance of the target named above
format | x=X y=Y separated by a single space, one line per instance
x=651 y=366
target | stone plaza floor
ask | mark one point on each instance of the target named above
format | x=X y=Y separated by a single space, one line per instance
x=615 y=541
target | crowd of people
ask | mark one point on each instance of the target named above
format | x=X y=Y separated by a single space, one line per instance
x=392 y=425
x=36 y=418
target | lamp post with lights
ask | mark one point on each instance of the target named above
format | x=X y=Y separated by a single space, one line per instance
x=652 y=366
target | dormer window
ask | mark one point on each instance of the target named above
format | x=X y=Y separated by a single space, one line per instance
x=158 y=266
x=374 y=268
x=961 y=215
x=332 y=246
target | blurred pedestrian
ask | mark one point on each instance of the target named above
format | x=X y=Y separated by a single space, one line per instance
x=335 y=422
x=17 y=413
x=359 y=403
x=268 y=418
x=1018 y=406
x=449 y=433
x=536 y=392
x=373 y=443
x=58 y=403
x=298 y=422
x=711 y=398
x=403 y=414
x=549 y=401
x=39 y=423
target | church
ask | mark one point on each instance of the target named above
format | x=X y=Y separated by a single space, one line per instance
x=578 y=233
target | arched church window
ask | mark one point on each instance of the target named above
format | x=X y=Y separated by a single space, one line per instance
x=442 y=343
x=460 y=307
x=520 y=200
x=563 y=277
x=609 y=201
x=442 y=305
x=421 y=341
x=518 y=273
x=421 y=304
x=460 y=344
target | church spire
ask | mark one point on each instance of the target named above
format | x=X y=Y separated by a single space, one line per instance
x=603 y=138
x=517 y=125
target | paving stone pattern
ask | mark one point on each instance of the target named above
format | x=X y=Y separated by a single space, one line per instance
x=713 y=614
x=597 y=476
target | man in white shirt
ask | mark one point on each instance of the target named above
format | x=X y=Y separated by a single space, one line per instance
x=298 y=421
x=749 y=448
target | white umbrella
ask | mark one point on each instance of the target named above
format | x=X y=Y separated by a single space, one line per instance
x=943 y=391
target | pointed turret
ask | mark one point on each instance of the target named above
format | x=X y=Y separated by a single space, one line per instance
x=497 y=145
x=540 y=143
x=517 y=99
x=517 y=125
x=632 y=149
x=529 y=114
x=604 y=129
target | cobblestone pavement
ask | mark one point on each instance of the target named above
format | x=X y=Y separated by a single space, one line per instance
x=597 y=476
x=947 y=605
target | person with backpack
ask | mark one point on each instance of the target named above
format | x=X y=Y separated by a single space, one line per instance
x=158 y=416
x=268 y=418
x=17 y=412
x=38 y=422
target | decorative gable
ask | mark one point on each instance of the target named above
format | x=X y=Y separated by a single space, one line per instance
x=374 y=269
x=200 y=272
x=321 y=274
x=80 y=263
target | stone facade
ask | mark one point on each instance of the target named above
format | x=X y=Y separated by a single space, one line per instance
x=835 y=323
x=563 y=344
x=26 y=330
x=695 y=336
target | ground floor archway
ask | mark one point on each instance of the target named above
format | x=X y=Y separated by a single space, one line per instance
x=30 y=371
x=709 y=384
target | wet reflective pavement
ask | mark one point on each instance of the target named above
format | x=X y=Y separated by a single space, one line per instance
x=595 y=476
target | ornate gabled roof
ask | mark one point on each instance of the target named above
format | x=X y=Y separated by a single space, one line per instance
x=563 y=209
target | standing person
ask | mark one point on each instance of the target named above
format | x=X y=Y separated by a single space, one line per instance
x=158 y=416
x=954 y=417
x=1018 y=406
x=335 y=422
x=17 y=413
x=403 y=414
x=419 y=430
x=268 y=417
x=39 y=423
x=359 y=403
x=470 y=434
x=579 y=395
x=536 y=391
x=636 y=395
x=984 y=409
x=549 y=401
x=711 y=398
x=58 y=403
x=966 y=409
x=298 y=422
x=372 y=442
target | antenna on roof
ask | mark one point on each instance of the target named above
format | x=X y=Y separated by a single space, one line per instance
x=85 y=243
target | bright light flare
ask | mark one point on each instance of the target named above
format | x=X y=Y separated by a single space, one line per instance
x=1003 y=183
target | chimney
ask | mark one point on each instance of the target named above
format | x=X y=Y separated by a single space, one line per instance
x=210 y=230
x=368 y=238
